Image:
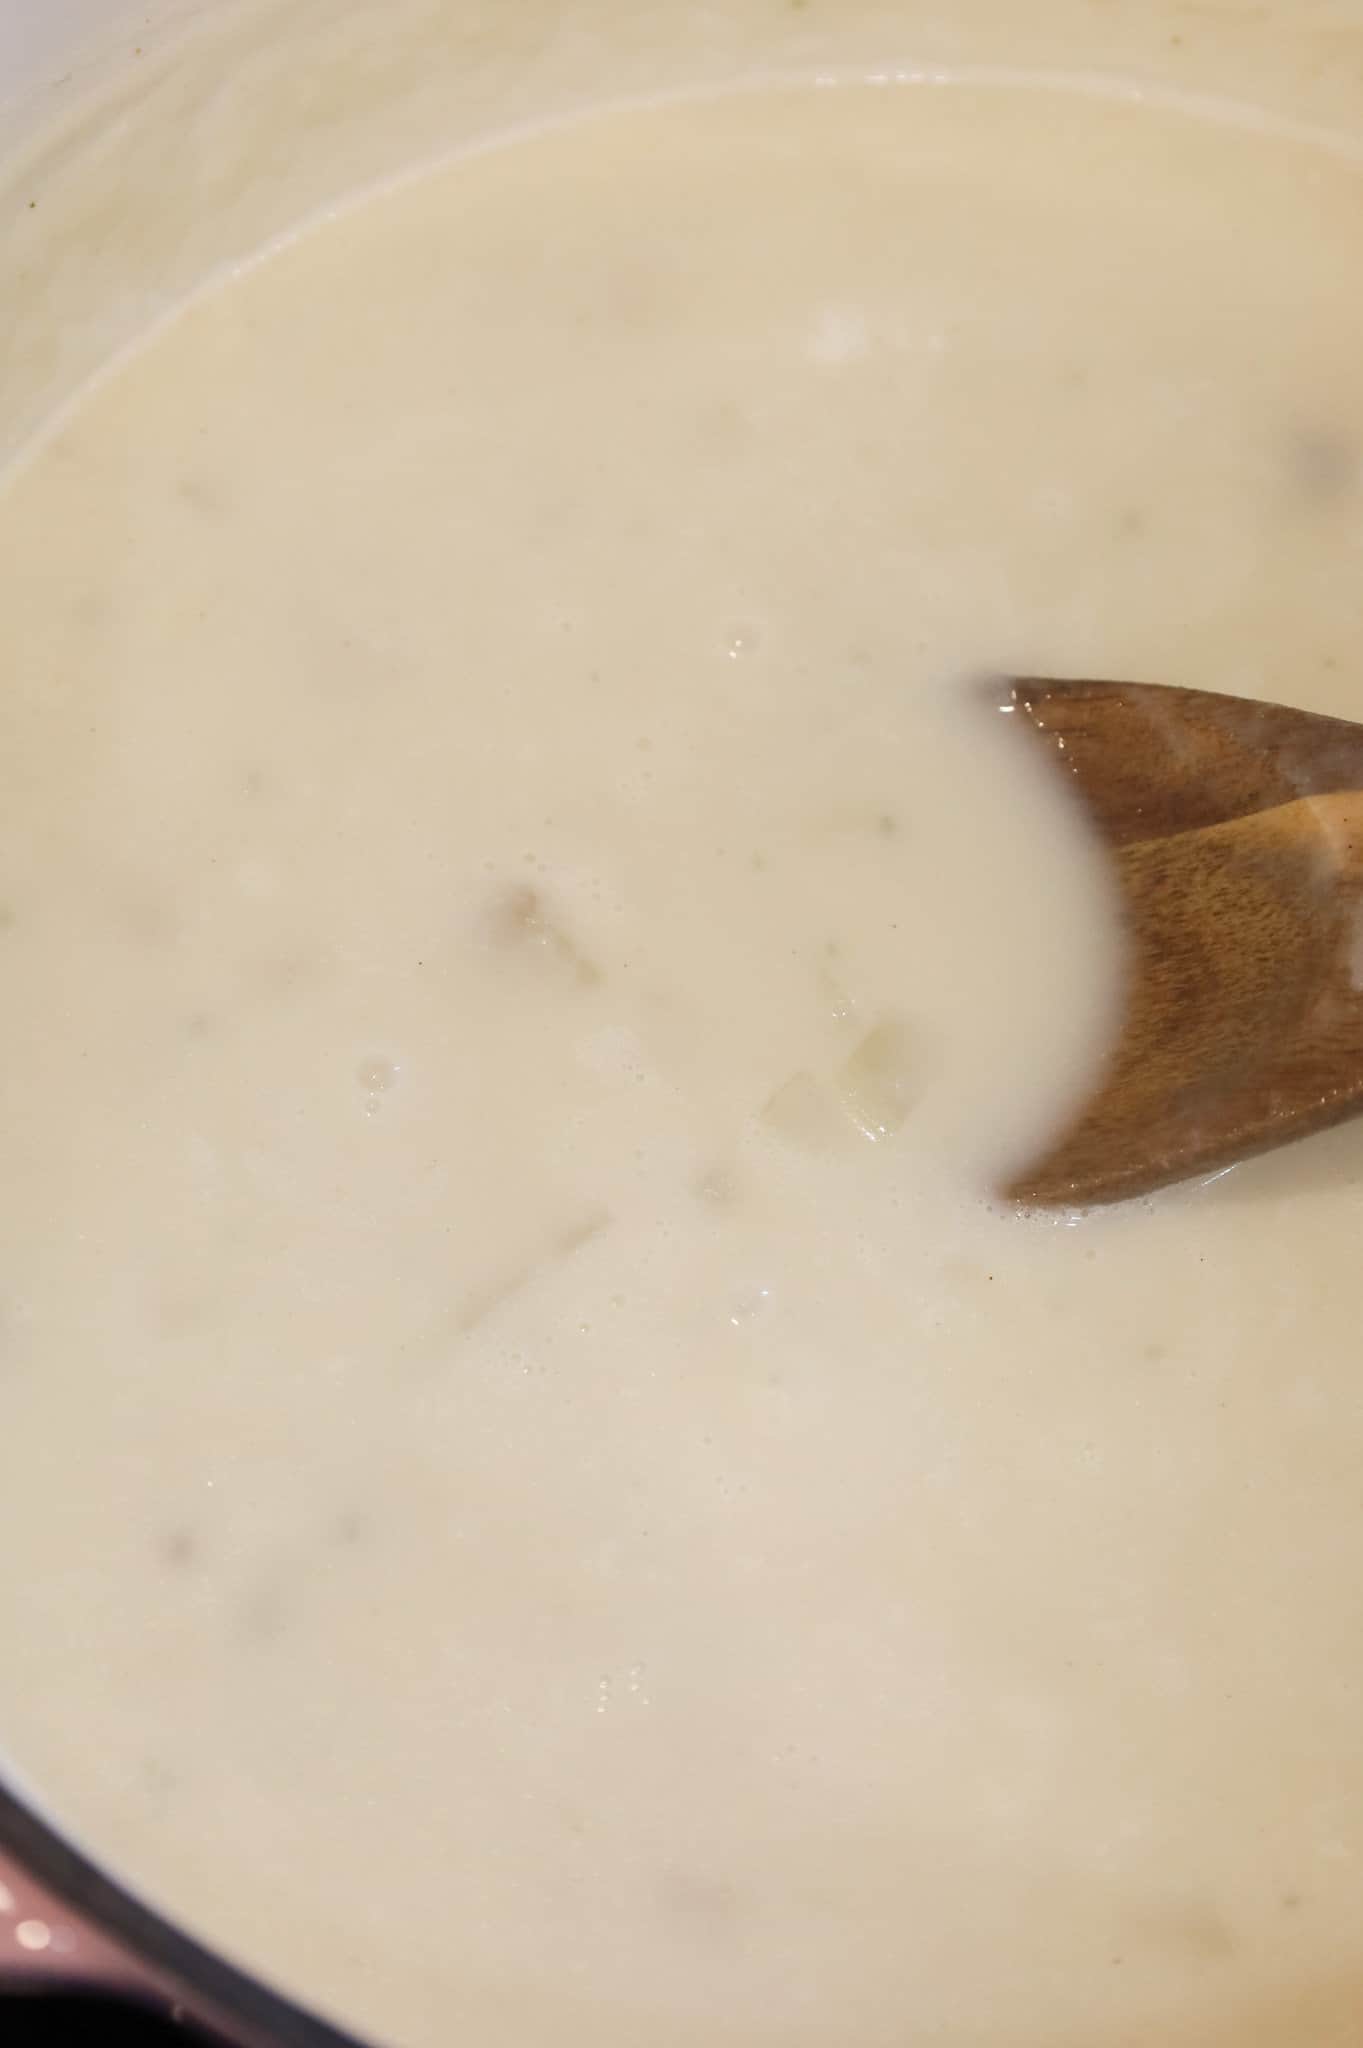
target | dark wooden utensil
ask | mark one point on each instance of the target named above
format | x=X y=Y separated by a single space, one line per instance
x=1236 y=832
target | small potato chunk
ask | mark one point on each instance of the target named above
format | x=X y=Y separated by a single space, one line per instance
x=805 y=1113
x=524 y=920
x=881 y=1080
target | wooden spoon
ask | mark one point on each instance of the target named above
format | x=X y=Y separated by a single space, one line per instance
x=1236 y=832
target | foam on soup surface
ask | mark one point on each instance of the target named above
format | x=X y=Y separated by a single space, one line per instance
x=543 y=1502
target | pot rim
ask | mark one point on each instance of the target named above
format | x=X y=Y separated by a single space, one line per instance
x=175 y=1964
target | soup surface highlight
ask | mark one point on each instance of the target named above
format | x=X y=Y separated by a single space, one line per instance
x=543 y=1502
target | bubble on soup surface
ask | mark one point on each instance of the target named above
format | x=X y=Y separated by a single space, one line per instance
x=749 y=1305
x=833 y=992
x=377 y=1076
x=741 y=641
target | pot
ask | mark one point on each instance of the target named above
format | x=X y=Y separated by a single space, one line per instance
x=311 y=98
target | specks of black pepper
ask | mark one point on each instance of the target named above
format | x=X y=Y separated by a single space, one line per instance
x=178 y=1548
x=255 y=784
x=759 y=863
x=1292 y=1902
x=887 y=825
x=1133 y=523
x=199 y=1024
x=349 y=1529
x=1325 y=465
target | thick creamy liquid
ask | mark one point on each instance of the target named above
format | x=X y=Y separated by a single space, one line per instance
x=541 y=1502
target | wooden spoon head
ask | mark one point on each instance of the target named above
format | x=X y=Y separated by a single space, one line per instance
x=1235 y=829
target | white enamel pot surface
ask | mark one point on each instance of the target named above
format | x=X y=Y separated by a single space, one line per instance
x=309 y=99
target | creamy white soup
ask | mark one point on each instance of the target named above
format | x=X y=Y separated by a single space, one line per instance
x=543 y=1500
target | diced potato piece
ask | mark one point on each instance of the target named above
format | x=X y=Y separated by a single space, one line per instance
x=523 y=918
x=806 y=1113
x=881 y=1080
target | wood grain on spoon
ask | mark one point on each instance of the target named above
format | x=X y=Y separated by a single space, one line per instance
x=1236 y=832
